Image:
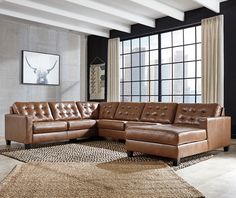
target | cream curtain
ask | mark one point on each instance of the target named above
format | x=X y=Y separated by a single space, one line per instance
x=213 y=60
x=113 y=70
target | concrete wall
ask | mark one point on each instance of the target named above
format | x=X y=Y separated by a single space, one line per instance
x=17 y=35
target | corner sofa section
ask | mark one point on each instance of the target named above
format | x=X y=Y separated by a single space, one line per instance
x=165 y=129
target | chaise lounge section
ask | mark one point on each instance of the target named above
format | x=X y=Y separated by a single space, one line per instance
x=164 y=129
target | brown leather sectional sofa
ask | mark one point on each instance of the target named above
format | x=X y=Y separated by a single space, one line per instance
x=165 y=129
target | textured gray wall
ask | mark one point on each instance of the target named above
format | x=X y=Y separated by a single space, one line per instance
x=17 y=35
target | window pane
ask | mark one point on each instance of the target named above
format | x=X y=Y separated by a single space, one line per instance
x=121 y=75
x=122 y=99
x=135 y=88
x=153 y=98
x=127 y=60
x=178 y=87
x=199 y=34
x=127 y=74
x=121 y=61
x=135 y=45
x=166 y=99
x=121 y=47
x=144 y=58
x=189 y=52
x=126 y=46
x=166 y=56
x=144 y=98
x=178 y=37
x=121 y=89
x=153 y=87
x=199 y=69
x=135 y=74
x=127 y=88
x=199 y=99
x=189 y=99
x=178 y=99
x=199 y=86
x=135 y=59
x=189 y=69
x=166 y=87
x=166 y=71
x=178 y=70
x=154 y=72
x=199 y=51
x=135 y=99
x=144 y=73
x=154 y=57
x=154 y=42
x=144 y=43
x=166 y=40
x=189 y=35
x=144 y=88
x=178 y=54
x=127 y=99
x=189 y=86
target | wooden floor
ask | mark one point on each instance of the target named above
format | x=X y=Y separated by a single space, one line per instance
x=215 y=177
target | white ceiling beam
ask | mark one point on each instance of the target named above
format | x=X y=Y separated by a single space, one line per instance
x=114 y=12
x=53 y=23
x=161 y=8
x=61 y=12
x=213 y=5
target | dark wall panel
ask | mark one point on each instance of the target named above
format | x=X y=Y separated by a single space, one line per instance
x=97 y=47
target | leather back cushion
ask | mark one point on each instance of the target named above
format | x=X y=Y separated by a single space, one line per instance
x=190 y=114
x=88 y=110
x=159 y=112
x=107 y=110
x=130 y=111
x=39 y=110
x=65 y=110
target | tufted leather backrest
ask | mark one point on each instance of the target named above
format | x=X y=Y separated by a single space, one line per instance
x=88 y=110
x=39 y=110
x=65 y=110
x=191 y=114
x=107 y=110
x=130 y=111
x=159 y=112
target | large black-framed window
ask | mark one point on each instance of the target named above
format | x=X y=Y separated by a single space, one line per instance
x=162 y=67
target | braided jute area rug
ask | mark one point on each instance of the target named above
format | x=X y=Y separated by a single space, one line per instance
x=103 y=180
x=98 y=151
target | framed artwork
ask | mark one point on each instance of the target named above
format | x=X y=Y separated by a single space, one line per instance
x=40 y=68
x=97 y=81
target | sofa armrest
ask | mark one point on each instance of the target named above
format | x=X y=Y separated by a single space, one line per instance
x=18 y=128
x=218 y=131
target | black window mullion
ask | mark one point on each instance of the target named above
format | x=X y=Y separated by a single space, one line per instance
x=159 y=69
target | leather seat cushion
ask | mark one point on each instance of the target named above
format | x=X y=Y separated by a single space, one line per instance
x=111 y=124
x=133 y=123
x=165 y=134
x=81 y=124
x=45 y=127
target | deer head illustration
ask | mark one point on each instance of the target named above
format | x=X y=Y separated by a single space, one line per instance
x=41 y=73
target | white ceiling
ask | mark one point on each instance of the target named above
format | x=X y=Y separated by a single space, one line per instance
x=97 y=17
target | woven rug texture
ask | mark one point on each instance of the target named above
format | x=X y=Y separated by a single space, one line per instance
x=103 y=180
x=91 y=151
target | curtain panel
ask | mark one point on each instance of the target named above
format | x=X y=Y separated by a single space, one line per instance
x=113 y=70
x=213 y=60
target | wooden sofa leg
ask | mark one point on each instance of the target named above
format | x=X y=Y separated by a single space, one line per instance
x=130 y=153
x=226 y=148
x=27 y=146
x=73 y=140
x=176 y=162
x=8 y=142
